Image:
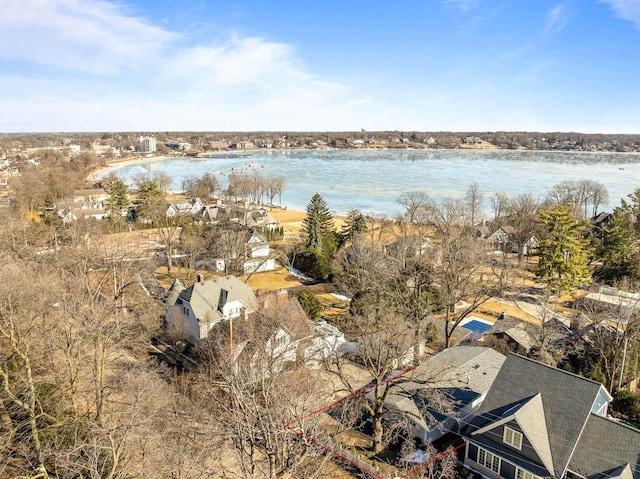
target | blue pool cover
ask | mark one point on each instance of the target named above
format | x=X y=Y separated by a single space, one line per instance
x=477 y=327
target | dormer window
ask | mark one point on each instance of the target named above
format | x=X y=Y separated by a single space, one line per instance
x=513 y=438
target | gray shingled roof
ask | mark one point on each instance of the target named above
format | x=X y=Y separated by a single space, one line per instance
x=174 y=292
x=463 y=373
x=567 y=400
x=605 y=448
x=204 y=297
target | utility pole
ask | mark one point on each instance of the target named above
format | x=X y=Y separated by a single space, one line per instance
x=624 y=357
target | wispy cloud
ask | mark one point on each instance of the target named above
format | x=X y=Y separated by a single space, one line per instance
x=89 y=61
x=557 y=18
x=626 y=10
x=92 y=36
x=464 y=5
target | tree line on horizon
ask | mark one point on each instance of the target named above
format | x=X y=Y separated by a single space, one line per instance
x=344 y=139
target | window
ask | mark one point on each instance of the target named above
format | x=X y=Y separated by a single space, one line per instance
x=488 y=460
x=522 y=474
x=513 y=438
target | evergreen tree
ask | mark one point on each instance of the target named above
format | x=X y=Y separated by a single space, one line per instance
x=118 y=199
x=634 y=207
x=564 y=254
x=311 y=305
x=319 y=226
x=321 y=238
x=618 y=252
x=354 y=225
x=151 y=203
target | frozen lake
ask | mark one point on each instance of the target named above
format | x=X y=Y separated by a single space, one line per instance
x=372 y=180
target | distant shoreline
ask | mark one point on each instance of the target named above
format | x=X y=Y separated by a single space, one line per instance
x=115 y=164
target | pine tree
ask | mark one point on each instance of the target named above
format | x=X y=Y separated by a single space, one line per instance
x=151 y=201
x=354 y=225
x=618 y=252
x=118 y=199
x=319 y=226
x=564 y=253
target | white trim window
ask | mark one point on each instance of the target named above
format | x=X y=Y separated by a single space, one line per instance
x=513 y=438
x=522 y=474
x=489 y=460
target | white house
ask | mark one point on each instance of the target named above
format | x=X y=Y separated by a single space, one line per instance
x=194 y=311
x=258 y=252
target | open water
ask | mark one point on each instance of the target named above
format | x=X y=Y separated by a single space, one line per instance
x=372 y=180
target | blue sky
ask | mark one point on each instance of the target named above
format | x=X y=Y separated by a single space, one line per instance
x=302 y=65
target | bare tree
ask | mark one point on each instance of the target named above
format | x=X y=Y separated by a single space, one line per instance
x=474 y=199
x=615 y=327
x=465 y=280
x=522 y=214
x=24 y=323
x=579 y=196
x=253 y=396
x=447 y=218
x=498 y=206
x=274 y=185
x=382 y=345
x=412 y=202
x=598 y=196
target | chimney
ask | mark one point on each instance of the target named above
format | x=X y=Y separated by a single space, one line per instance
x=199 y=278
x=222 y=300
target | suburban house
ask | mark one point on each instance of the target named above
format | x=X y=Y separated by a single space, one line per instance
x=409 y=247
x=620 y=305
x=189 y=207
x=258 y=252
x=4 y=179
x=328 y=341
x=538 y=421
x=207 y=307
x=256 y=256
x=283 y=335
x=457 y=377
x=522 y=337
x=84 y=205
x=94 y=195
x=600 y=220
x=244 y=214
x=70 y=211
x=194 y=311
x=503 y=239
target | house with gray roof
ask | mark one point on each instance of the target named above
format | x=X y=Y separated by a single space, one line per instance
x=538 y=421
x=188 y=207
x=195 y=310
x=448 y=389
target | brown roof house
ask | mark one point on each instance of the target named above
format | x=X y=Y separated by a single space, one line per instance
x=194 y=311
x=538 y=421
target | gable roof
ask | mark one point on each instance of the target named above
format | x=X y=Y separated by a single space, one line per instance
x=567 y=400
x=206 y=298
x=462 y=373
x=530 y=417
x=256 y=238
x=598 y=459
x=525 y=334
x=174 y=292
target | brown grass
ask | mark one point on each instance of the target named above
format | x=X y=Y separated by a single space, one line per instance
x=272 y=280
x=267 y=281
x=291 y=220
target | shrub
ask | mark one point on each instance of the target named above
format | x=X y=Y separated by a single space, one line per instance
x=311 y=305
